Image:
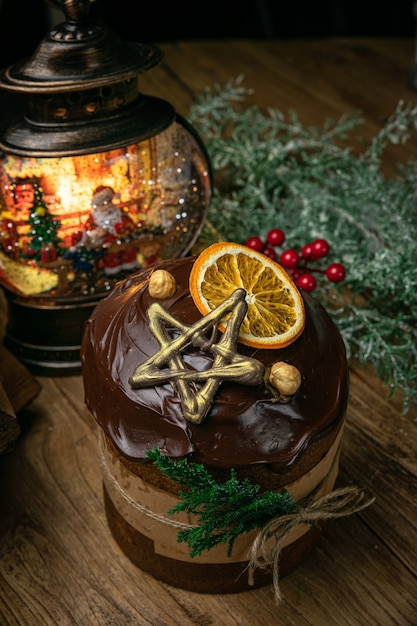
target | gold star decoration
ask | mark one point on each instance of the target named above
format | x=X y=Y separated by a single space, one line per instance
x=167 y=365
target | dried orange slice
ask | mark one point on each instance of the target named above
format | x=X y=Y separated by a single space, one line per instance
x=275 y=315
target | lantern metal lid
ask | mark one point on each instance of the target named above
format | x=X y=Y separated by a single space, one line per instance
x=82 y=90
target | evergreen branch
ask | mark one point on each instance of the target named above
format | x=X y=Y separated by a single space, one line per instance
x=272 y=172
x=397 y=130
x=223 y=510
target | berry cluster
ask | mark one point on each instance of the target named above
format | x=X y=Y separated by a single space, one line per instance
x=297 y=263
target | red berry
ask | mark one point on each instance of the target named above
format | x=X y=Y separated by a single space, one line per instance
x=275 y=237
x=270 y=252
x=289 y=258
x=320 y=248
x=306 y=282
x=295 y=273
x=336 y=272
x=306 y=251
x=255 y=243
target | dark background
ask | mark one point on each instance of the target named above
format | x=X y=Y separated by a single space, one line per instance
x=24 y=22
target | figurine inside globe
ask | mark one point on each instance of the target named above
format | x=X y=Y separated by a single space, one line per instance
x=73 y=226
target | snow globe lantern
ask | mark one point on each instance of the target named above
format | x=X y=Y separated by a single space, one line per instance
x=96 y=180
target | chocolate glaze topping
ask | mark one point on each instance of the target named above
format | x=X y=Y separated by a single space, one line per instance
x=246 y=424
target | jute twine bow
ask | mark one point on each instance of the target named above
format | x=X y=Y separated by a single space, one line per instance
x=338 y=503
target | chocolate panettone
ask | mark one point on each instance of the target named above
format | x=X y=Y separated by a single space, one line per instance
x=141 y=349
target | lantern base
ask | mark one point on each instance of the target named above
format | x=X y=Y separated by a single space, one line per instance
x=45 y=337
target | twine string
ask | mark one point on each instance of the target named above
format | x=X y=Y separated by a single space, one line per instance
x=134 y=504
x=338 y=503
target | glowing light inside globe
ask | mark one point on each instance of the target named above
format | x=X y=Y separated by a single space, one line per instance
x=74 y=225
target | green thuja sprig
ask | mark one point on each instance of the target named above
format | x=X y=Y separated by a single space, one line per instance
x=223 y=510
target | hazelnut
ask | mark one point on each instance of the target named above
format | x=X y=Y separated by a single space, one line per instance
x=285 y=378
x=162 y=284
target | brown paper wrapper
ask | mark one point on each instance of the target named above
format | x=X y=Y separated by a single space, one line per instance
x=145 y=507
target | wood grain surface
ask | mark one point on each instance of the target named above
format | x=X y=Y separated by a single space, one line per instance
x=58 y=561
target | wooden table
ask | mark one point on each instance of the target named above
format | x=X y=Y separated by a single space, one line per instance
x=58 y=561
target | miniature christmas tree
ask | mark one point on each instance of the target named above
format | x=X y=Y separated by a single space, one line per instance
x=44 y=242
